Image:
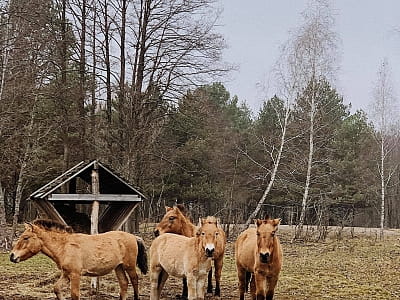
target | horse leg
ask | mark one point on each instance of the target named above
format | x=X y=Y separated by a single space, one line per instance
x=271 y=287
x=192 y=287
x=201 y=287
x=75 y=279
x=210 y=285
x=252 y=285
x=184 y=290
x=60 y=285
x=218 y=270
x=134 y=280
x=157 y=279
x=260 y=286
x=242 y=282
x=123 y=282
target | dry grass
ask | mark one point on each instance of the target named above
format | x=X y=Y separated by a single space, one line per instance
x=363 y=267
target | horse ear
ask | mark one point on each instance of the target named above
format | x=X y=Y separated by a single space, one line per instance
x=28 y=226
x=276 y=222
x=167 y=208
x=181 y=207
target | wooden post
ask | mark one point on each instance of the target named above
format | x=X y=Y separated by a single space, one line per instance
x=94 y=222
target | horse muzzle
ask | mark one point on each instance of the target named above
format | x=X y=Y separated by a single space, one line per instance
x=264 y=257
x=13 y=258
x=210 y=251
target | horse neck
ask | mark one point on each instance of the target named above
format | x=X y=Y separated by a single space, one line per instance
x=53 y=242
x=188 y=229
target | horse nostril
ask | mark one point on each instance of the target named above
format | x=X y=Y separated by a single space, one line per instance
x=156 y=232
x=12 y=257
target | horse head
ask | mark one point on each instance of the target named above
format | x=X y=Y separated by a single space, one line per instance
x=27 y=245
x=208 y=233
x=266 y=230
x=172 y=222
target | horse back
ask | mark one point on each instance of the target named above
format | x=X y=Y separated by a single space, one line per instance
x=176 y=254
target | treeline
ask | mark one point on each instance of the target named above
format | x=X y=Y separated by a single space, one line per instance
x=136 y=85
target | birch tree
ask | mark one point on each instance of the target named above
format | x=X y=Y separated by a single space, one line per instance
x=315 y=56
x=384 y=111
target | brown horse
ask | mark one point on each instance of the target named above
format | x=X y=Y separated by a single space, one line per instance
x=259 y=253
x=79 y=254
x=175 y=221
x=180 y=256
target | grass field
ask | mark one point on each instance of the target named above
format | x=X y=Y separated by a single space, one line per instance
x=362 y=267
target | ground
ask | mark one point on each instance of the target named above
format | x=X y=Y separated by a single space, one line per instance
x=352 y=264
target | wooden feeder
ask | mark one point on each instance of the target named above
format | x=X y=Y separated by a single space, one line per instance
x=102 y=186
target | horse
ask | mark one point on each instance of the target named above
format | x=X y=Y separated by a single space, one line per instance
x=184 y=257
x=77 y=254
x=258 y=254
x=176 y=221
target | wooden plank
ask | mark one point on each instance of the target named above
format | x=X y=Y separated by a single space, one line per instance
x=95 y=197
x=94 y=223
x=47 y=209
x=115 y=216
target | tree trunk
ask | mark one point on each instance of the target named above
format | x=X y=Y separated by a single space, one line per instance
x=309 y=163
x=82 y=84
x=274 y=171
x=382 y=221
x=18 y=194
x=3 y=219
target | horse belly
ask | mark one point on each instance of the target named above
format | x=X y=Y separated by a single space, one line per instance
x=173 y=266
x=245 y=253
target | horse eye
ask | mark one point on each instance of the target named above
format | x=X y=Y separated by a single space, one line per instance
x=258 y=234
x=171 y=218
x=203 y=233
x=26 y=238
x=216 y=233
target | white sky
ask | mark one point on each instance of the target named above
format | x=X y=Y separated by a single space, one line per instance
x=255 y=29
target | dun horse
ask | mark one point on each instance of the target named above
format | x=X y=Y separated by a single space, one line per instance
x=180 y=256
x=80 y=254
x=258 y=253
x=175 y=221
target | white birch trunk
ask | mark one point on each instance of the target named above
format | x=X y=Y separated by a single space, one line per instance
x=310 y=160
x=274 y=171
x=382 y=221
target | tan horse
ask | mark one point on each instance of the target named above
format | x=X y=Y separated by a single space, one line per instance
x=184 y=257
x=80 y=254
x=259 y=253
x=175 y=221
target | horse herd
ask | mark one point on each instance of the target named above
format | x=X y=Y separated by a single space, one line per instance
x=180 y=249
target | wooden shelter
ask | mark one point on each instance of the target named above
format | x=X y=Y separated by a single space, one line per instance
x=92 y=184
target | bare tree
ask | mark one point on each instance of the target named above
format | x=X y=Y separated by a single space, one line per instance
x=384 y=112
x=314 y=55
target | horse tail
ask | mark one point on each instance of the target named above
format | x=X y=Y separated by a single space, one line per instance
x=248 y=278
x=142 y=256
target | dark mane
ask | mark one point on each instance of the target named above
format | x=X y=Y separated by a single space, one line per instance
x=52 y=225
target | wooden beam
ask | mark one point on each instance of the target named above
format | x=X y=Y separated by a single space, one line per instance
x=94 y=222
x=48 y=210
x=95 y=197
x=114 y=216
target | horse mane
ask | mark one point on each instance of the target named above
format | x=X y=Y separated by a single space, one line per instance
x=211 y=220
x=51 y=225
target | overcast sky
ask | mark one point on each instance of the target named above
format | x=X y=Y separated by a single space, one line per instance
x=255 y=29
